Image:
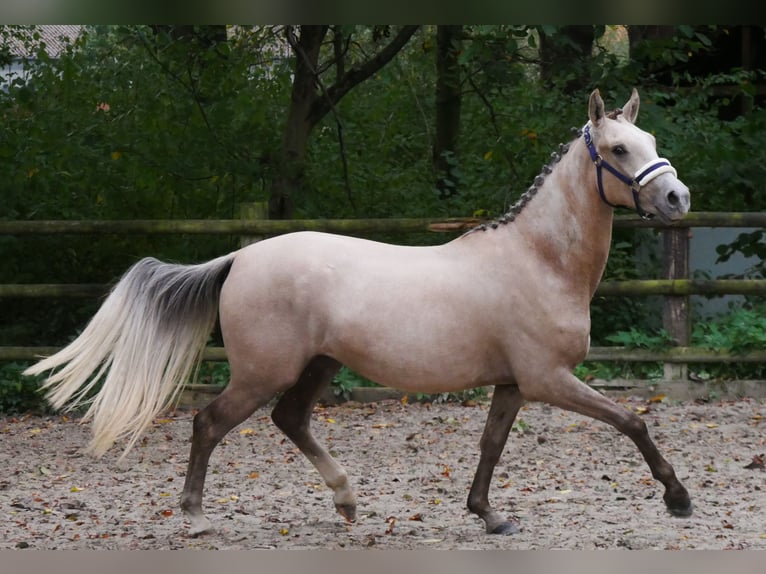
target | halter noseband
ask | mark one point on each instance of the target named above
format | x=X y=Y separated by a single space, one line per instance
x=644 y=174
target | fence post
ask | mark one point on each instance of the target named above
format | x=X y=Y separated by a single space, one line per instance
x=255 y=210
x=675 y=309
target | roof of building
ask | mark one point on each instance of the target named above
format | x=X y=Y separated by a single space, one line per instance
x=55 y=37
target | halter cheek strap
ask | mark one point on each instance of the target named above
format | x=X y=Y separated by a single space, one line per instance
x=643 y=175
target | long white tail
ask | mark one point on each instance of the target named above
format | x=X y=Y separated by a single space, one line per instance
x=141 y=346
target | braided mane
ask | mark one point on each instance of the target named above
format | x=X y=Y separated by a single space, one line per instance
x=532 y=190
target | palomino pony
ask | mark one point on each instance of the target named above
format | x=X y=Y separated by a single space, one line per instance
x=505 y=304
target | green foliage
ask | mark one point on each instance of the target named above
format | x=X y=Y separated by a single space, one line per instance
x=737 y=331
x=520 y=426
x=636 y=339
x=214 y=373
x=612 y=370
x=20 y=394
x=657 y=55
x=632 y=338
x=346 y=380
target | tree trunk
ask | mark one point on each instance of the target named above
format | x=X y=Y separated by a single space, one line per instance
x=290 y=169
x=448 y=100
x=567 y=54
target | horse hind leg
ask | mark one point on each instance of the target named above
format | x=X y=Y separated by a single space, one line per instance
x=235 y=404
x=292 y=415
x=506 y=401
x=568 y=392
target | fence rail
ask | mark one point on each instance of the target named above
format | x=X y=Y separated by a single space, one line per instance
x=351 y=226
x=677 y=355
x=676 y=287
x=631 y=288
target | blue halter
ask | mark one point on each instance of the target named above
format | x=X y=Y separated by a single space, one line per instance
x=643 y=175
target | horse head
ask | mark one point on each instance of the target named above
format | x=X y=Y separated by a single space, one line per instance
x=643 y=180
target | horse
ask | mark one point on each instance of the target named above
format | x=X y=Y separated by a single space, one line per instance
x=504 y=305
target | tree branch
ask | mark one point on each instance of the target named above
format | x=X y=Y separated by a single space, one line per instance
x=358 y=74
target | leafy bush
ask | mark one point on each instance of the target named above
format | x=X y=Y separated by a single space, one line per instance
x=346 y=380
x=214 y=373
x=20 y=394
x=740 y=330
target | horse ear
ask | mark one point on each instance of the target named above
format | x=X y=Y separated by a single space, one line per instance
x=595 y=108
x=630 y=110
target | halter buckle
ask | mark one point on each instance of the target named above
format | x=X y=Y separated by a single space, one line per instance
x=598 y=160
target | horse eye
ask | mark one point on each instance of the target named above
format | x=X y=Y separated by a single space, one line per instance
x=619 y=150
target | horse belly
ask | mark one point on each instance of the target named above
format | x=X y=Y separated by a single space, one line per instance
x=418 y=374
x=419 y=352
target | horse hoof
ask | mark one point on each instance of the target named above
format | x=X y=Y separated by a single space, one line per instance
x=678 y=502
x=199 y=527
x=506 y=528
x=197 y=532
x=347 y=511
x=681 y=511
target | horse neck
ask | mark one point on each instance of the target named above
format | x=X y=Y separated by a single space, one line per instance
x=566 y=221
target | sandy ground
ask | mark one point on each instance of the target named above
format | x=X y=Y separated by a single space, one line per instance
x=569 y=481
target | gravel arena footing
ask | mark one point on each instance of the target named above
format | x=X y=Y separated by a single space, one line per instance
x=570 y=482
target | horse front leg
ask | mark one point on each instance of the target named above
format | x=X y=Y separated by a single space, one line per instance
x=210 y=425
x=568 y=392
x=506 y=402
x=292 y=414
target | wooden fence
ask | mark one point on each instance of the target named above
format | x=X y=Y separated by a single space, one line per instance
x=676 y=286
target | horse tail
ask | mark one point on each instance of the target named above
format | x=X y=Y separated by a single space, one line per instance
x=141 y=346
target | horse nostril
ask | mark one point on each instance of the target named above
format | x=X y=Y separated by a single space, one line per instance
x=673 y=199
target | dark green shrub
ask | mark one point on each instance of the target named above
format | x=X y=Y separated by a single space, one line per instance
x=20 y=394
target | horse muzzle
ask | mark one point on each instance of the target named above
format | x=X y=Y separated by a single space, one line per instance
x=673 y=200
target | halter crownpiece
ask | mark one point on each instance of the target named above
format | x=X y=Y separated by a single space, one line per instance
x=643 y=175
